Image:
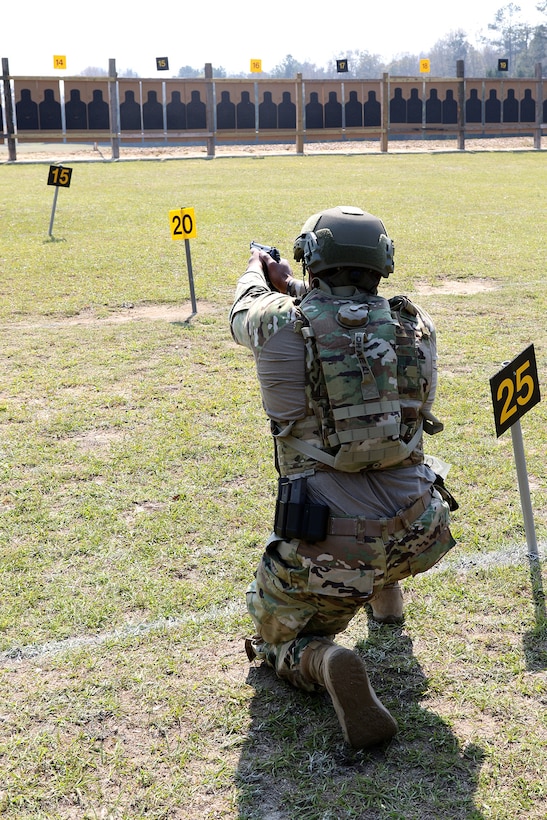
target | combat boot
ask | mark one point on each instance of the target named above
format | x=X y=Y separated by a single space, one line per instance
x=387 y=605
x=363 y=718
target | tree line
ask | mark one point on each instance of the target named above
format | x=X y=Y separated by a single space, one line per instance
x=508 y=38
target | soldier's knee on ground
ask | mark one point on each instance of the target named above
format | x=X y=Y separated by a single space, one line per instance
x=387 y=605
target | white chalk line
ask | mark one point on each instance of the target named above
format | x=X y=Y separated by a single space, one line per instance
x=510 y=556
x=21 y=653
x=507 y=557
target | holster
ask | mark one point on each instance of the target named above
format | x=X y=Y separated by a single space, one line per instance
x=295 y=515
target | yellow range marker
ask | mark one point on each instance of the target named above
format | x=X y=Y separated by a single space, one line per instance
x=515 y=389
x=183 y=223
x=59 y=176
x=183 y=226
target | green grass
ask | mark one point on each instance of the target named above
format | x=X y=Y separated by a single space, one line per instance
x=137 y=491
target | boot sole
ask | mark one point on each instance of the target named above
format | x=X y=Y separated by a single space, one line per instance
x=364 y=719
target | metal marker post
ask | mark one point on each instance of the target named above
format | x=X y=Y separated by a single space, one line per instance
x=524 y=490
x=515 y=390
x=55 y=195
x=529 y=526
x=183 y=226
x=60 y=177
x=190 y=276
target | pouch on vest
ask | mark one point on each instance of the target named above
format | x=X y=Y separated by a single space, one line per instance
x=357 y=401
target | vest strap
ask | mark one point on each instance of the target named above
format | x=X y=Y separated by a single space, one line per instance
x=361 y=527
x=386 y=430
x=308 y=449
x=402 y=451
x=373 y=408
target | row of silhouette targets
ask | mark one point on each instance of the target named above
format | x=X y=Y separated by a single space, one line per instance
x=179 y=115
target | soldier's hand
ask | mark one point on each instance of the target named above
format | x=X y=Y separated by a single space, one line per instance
x=279 y=273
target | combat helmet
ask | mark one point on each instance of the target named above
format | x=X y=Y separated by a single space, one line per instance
x=344 y=236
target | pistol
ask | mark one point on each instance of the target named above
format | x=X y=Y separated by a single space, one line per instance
x=274 y=253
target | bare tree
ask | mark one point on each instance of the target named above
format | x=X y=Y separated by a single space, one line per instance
x=404 y=65
x=93 y=71
x=511 y=35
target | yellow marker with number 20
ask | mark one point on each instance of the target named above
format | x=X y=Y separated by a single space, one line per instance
x=183 y=223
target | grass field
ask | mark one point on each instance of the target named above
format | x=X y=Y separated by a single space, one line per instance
x=138 y=485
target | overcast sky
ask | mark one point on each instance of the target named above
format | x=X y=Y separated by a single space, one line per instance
x=230 y=34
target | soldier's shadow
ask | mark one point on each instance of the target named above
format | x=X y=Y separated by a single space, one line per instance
x=295 y=764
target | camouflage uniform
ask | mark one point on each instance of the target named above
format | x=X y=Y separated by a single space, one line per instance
x=387 y=521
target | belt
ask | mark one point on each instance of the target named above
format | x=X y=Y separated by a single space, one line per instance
x=359 y=527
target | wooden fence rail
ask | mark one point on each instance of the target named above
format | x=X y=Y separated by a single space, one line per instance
x=210 y=111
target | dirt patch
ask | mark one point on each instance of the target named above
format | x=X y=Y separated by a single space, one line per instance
x=130 y=313
x=94 y=439
x=43 y=152
x=176 y=314
x=465 y=287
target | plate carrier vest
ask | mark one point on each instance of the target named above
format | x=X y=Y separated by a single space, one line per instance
x=366 y=381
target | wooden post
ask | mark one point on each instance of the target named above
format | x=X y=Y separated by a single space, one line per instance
x=299 y=115
x=210 y=111
x=539 y=106
x=460 y=73
x=384 y=94
x=10 y=120
x=114 y=109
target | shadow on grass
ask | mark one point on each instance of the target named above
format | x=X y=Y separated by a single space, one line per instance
x=185 y=322
x=294 y=763
x=535 y=641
